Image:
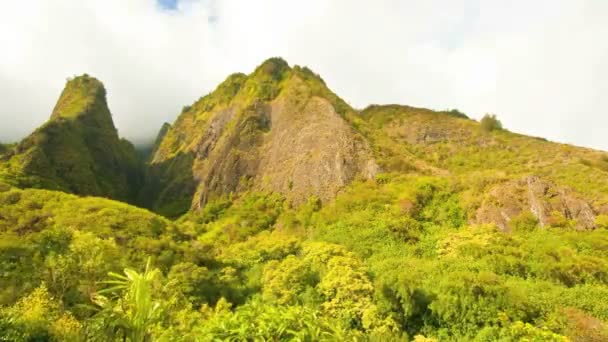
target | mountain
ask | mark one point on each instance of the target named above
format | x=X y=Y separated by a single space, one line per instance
x=164 y=129
x=282 y=213
x=77 y=150
x=33 y=218
x=501 y=175
x=281 y=129
x=278 y=129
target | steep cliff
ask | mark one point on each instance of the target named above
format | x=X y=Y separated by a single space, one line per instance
x=77 y=150
x=278 y=129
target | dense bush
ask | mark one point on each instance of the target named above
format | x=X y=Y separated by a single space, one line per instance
x=490 y=123
x=386 y=260
x=405 y=255
x=394 y=258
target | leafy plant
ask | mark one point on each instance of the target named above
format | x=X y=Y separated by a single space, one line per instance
x=490 y=123
x=128 y=306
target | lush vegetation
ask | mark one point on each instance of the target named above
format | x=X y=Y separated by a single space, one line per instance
x=403 y=255
x=490 y=122
x=390 y=259
x=4 y=148
x=78 y=150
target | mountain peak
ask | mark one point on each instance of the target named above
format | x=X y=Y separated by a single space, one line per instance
x=278 y=129
x=273 y=67
x=79 y=95
x=78 y=150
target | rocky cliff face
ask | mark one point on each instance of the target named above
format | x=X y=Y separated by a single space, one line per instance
x=281 y=129
x=500 y=176
x=278 y=129
x=550 y=204
x=78 y=150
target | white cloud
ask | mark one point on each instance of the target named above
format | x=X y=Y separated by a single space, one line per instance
x=542 y=66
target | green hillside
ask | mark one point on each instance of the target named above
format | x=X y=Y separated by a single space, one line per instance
x=280 y=213
x=77 y=150
x=500 y=174
x=279 y=129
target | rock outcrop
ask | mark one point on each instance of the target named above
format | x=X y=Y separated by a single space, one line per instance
x=78 y=150
x=278 y=129
x=550 y=204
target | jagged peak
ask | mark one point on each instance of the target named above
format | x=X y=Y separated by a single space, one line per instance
x=276 y=67
x=78 y=96
x=265 y=83
x=165 y=126
x=239 y=91
x=161 y=134
x=85 y=80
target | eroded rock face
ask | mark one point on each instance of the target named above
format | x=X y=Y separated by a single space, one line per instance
x=311 y=150
x=296 y=149
x=277 y=130
x=548 y=202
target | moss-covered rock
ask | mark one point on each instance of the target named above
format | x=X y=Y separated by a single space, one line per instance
x=78 y=150
x=279 y=129
x=493 y=169
x=544 y=202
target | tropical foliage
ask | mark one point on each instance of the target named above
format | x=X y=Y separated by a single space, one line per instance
x=389 y=259
x=410 y=253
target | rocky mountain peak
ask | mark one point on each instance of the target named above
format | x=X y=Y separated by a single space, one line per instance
x=78 y=149
x=80 y=96
x=278 y=129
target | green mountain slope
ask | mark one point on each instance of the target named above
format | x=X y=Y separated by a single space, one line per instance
x=300 y=218
x=502 y=175
x=159 y=138
x=78 y=150
x=278 y=129
x=36 y=225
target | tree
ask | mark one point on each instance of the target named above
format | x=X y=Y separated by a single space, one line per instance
x=86 y=262
x=38 y=317
x=490 y=122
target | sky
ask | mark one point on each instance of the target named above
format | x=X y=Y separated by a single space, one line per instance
x=541 y=66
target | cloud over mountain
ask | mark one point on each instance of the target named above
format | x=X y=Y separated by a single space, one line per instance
x=540 y=66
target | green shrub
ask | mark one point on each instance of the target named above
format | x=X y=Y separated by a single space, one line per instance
x=457 y=114
x=490 y=123
x=601 y=221
x=524 y=222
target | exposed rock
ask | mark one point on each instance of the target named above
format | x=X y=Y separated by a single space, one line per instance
x=311 y=150
x=548 y=202
x=277 y=129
